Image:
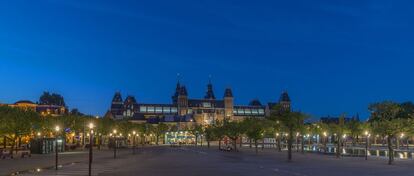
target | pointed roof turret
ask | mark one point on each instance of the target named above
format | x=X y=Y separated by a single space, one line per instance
x=209 y=93
x=117 y=97
x=284 y=97
x=228 y=93
x=183 y=91
x=130 y=99
x=255 y=102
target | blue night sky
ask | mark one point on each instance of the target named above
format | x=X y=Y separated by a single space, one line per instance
x=333 y=57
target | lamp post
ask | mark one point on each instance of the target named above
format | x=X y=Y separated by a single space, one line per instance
x=325 y=141
x=133 y=142
x=367 y=135
x=115 y=143
x=57 y=129
x=90 y=147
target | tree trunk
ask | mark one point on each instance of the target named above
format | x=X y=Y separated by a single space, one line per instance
x=250 y=143
x=263 y=143
x=302 y=145
x=156 y=140
x=4 y=142
x=219 y=144
x=235 y=145
x=240 y=142
x=290 y=141
x=338 y=148
x=390 y=151
x=208 y=144
x=297 y=144
x=255 y=143
x=279 y=144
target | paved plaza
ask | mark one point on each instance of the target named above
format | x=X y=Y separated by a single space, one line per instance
x=202 y=161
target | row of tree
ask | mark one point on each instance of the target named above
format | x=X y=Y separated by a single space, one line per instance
x=388 y=120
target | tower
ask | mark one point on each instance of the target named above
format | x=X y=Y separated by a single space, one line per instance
x=177 y=92
x=129 y=106
x=284 y=101
x=182 y=101
x=228 y=103
x=116 y=105
x=210 y=93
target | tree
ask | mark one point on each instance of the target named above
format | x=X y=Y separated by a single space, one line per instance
x=338 y=129
x=355 y=129
x=210 y=135
x=254 y=130
x=196 y=130
x=159 y=130
x=51 y=99
x=384 y=121
x=218 y=131
x=16 y=122
x=292 y=122
x=233 y=130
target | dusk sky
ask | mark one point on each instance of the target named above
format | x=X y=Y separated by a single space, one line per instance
x=332 y=57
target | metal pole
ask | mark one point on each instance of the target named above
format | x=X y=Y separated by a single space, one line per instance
x=133 y=144
x=115 y=147
x=366 y=148
x=56 y=155
x=90 y=152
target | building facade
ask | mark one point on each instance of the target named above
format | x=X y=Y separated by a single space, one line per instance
x=203 y=111
x=44 y=110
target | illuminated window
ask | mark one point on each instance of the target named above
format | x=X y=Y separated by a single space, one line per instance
x=173 y=110
x=158 y=109
x=261 y=111
x=166 y=109
x=240 y=111
x=190 y=111
x=206 y=104
x=235 y=111
x=254 y=111
x=150 y=109
x=143 y=109
x=247 y=111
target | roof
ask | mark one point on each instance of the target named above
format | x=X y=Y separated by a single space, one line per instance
x=284 y=97
x=24 y=101
x=200 y=103
x=228 y=93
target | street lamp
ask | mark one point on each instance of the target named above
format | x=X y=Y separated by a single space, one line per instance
x=115 y=143
x=367 y=135
x=90 y=147
x=57 y=129
x=325 y=141
x=133 y=141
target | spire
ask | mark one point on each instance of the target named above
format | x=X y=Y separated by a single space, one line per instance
x=210 y=93
x=117 y=97
x=284 y=97
x=183 y=91
x=255 y=102
x=228 y=93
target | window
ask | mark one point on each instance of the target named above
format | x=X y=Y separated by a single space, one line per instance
x=158 y=109
x=261 y=111
x=189 y=111
x=240 y=111
x=173 y=110
x=235 y=111
x=150 y=109
x=254 y=111
x=166 y=109
x=143 y=109
x=247 y=111
x=206 y=104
